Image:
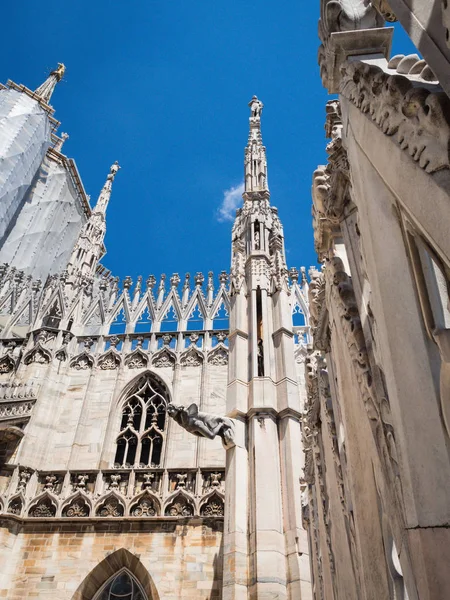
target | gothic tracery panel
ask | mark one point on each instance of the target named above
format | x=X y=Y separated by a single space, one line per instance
x=143 y=424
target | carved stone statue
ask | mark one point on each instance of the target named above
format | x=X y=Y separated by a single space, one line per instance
x=256 y=107
x=203 y=424
x=113 y=170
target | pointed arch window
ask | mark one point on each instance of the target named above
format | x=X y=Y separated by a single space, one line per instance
x=122 y=586
x=143 y=425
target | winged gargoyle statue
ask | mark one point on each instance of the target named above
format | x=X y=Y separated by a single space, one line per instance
x=203 y=424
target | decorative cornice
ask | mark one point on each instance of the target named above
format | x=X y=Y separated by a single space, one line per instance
x=417 y=118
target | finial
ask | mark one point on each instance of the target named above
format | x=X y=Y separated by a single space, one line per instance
x=45 y=90
x=256 y=107
x=105 y=194
x=59 y=143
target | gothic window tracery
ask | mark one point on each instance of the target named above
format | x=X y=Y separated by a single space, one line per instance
x=143 y=424
x=122 y=586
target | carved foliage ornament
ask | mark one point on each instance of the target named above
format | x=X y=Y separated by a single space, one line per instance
x=417 y=119
x=77 y=508
x=7 y=364
x=38 y=354
x=82 y=362
x=44 y=508
x=136 y=360
x=213 y=507
x=179 y=507
x=145 y=507
x=191 y=358
x=15 y=506
x=164 y=358
x=111 y=507
x=218 y=356
x=109 y=361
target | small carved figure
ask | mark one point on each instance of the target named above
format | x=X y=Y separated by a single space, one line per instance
x=181 y=477
x=23 y=480
x=147 y=483
x=257 y=242
x=115 y=479
x=256 y=107
x=51 y=481
x=215 y=479
x=260 y=358
x=201 y=423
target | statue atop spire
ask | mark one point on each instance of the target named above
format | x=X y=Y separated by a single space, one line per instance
x=255 y=152
x=45 y=90
x=256 y=107
x=105 y=194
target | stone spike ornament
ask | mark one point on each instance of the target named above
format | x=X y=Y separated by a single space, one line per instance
x=45 y=90
x=60 y=142
x=255 y=151
x=105 y=194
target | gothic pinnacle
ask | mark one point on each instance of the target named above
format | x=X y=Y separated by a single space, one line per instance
x=255 y=152
x=105 y=194
x=45 y=90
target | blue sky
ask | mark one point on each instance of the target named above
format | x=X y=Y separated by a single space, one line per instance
x=163 y=88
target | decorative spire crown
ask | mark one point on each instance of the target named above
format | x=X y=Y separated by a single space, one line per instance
x=105 y=194
x=45 y=90
x=255 y=151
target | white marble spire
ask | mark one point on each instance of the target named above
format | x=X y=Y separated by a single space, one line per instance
x=255 y=152
x=105 y=194
x=45 y=90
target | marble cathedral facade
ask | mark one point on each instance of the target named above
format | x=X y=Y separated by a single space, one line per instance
x=150 y=433
x=188 y=438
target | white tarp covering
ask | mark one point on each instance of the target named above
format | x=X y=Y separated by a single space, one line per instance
x=24 y=140
x=48 y=224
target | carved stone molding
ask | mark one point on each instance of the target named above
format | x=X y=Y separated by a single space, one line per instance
x=415 y=117
x=318 y=311
x=376 y=405
x=331 y=183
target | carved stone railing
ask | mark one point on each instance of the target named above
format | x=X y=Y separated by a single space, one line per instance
x=114 y=493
